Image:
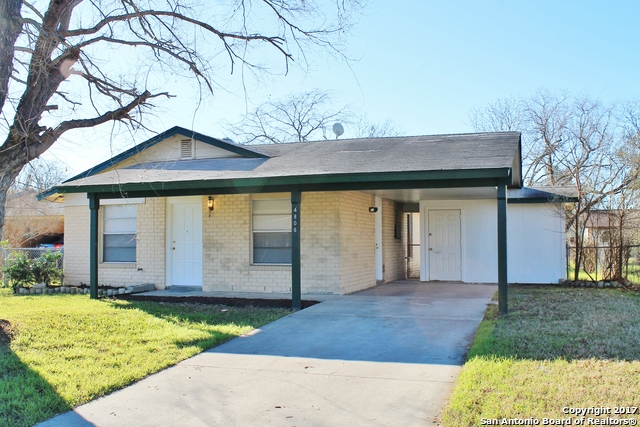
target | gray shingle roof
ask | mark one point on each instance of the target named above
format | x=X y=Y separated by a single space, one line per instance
x=334 y=157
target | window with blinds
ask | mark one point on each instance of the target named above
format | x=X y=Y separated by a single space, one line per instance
x=271 y=222
x=119 y=233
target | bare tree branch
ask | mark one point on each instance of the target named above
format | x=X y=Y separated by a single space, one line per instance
x=44 y=49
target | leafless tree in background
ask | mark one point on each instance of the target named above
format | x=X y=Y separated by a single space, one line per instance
x=366 y=128
x=301 y=117
x=40 y=175
x=70 y=64
x=574 y=141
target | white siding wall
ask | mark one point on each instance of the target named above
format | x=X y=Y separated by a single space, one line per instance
x=478 y=232
x=535 y=235
x=169 y=149
x=536 y=250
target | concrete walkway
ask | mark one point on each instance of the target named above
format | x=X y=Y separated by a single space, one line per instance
x=387 y=356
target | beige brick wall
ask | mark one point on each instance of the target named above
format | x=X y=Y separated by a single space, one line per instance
x=227 y=251
x=320 y=242
x=150 y=248
x=393 y=250
x=228 y=248
x=151 y=243
x=76 y=247
x=357 y=242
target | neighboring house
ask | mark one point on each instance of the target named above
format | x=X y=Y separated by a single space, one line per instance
x=602 y=226
x=29 y=222
x=185 y=209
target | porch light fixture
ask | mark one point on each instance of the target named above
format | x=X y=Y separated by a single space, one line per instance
x=210 y=205
x=373 y=209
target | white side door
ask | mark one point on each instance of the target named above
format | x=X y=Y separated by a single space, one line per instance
x=444 y=245
x=184 y=245
x=378 y=238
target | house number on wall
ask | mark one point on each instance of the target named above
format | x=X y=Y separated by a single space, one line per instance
x=295 y=219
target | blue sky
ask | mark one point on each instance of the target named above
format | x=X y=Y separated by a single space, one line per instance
x=424 y=64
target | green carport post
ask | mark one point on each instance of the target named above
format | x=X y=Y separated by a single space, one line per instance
x=502 y=248
x=94 y=206
x=296 y=294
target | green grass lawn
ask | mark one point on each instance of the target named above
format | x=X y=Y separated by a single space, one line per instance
x=557 y=347
x=630 y=272
x=59 y=351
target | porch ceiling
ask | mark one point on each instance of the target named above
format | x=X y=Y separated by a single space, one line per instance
x=417 y=194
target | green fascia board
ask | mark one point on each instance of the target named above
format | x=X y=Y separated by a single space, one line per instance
x=331 y=182
x=558 y=199
x=46 y=193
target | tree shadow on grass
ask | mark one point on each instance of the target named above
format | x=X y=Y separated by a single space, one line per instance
x=551 y=322
x=25 y=397
x=210 y=319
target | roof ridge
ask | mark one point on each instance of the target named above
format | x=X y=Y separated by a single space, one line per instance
x=380 y=138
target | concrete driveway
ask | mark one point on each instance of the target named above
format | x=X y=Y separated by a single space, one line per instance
x=387 y=356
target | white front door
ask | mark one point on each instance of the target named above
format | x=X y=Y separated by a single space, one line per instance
x=444 y=245
x=184 y=245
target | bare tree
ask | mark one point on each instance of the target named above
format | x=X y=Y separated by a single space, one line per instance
x=39 y=175
x=570 y=141
x=28 y=220
x=366 y=128
x=542 y=120
x=501 y=115
x=61 y=65
x=297 y=118
x=302 y=117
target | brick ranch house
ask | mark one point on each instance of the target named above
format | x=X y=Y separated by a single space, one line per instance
x=186 y=209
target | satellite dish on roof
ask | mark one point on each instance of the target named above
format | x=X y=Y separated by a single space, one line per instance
x=338 y=129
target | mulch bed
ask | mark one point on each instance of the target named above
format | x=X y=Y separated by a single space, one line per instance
x=234 y=302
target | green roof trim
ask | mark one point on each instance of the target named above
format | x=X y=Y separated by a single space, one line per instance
x=330 y=182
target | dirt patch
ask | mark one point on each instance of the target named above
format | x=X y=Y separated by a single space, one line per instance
x=7 y=331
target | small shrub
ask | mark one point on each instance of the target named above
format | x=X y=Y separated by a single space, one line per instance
x=21 y=271
x=17 y=270
x=45 y=267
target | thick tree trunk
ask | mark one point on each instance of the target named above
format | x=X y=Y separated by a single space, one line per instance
x=579 y=243
x=10 y=27
x=11 y=167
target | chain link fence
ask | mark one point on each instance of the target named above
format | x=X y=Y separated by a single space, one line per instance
x=598 y=262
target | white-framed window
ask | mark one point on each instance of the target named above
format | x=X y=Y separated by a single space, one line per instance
x=271 y=231
x=119 y=233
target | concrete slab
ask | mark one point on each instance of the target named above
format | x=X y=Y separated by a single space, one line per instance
x=363 y=359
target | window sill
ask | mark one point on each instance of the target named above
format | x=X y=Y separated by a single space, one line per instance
x=269 y=265
x=118 y=264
